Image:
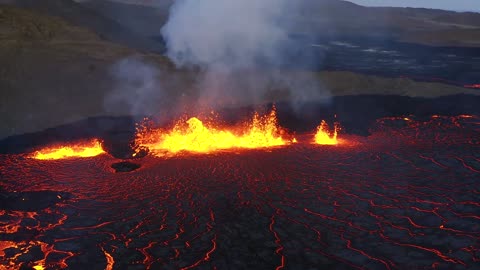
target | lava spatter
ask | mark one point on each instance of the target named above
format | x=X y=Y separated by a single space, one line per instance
x=197 y=136
x=75 y=150
x=323 y=136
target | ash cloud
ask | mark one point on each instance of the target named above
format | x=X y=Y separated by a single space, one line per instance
x=240 y=46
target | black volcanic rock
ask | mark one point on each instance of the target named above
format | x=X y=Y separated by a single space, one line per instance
x=31 y=200
x=125 y=166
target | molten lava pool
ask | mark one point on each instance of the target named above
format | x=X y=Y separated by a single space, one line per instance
x=405 y=197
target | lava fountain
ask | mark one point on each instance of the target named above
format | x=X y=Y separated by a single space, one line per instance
x=403 y=189
x=324 y=136
x=194 y=135
x=83 y=149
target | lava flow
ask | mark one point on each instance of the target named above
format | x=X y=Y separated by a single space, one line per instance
x=323 y=135
x=196 y=136
x=404 y=197
x=86 y=149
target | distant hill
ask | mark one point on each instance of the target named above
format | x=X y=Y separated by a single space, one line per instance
x=137 y=23
x=326 y=18
x=143 y=19
x=336 y=18
x=80 y=15
x=55 y=72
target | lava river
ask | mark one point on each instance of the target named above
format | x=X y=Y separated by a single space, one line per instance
x=405 y=197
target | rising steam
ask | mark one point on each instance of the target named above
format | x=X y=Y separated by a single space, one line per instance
x=240 y=46
x=137 y=87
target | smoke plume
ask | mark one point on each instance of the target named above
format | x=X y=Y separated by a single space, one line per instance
x=240 y=46
x=137 y=87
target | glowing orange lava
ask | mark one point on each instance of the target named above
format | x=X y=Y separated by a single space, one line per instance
x=323 y=135
x=196 y=136
x=88 y=149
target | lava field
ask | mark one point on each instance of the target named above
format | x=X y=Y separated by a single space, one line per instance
x=404 y=197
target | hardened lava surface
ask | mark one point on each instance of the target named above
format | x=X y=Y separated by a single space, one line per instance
x=405 y=197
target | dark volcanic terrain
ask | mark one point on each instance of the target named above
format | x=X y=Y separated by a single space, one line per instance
x=405 y=197
x=400 y=190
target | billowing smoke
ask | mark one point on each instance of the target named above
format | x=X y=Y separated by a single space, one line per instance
x=224 y=33
x=240 y=47
x=137 y=87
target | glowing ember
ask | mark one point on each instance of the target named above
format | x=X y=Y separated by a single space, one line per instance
x=89 y=149
x=194 y=135
x=323 y=135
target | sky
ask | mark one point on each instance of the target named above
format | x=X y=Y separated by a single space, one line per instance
x=457 y=5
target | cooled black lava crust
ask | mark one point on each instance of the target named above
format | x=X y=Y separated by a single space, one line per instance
x=403 y=197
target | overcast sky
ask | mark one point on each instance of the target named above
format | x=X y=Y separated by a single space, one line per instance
x=458 y=5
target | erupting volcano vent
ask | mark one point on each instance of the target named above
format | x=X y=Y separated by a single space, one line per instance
x=196 y=136
x=404 y=197
x=323 y=135
x=83 y=149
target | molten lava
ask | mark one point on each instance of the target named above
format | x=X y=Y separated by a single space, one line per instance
x=87 y=149
x=196 y=136
x=324 y=136
x=385 y=204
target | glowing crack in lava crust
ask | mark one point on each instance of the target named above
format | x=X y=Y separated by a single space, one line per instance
x=196 y=136
x=404 y=197
x=85 y=149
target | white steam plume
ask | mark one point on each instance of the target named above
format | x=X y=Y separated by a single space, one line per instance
x=240 y=45
x=137 y=88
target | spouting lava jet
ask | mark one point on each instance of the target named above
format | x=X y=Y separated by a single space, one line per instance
x=197 y=136
x=324 y=137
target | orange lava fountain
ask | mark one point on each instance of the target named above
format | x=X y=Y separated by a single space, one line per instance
x=323 y=135
x=87 y=149
x=196 y=136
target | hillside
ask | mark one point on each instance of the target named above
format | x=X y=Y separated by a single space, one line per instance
x=79 y=15
x=414 y=25
x=327 y=19
x=54 y=73
x=144 y=20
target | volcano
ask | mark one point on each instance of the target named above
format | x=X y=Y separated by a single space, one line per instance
x=382 y=174
x=403 y=197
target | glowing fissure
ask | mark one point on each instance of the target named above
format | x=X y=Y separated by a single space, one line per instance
x=197 y=221
x=83 y=150
x=194 y=135
x=324 y=136
x=109 y=258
